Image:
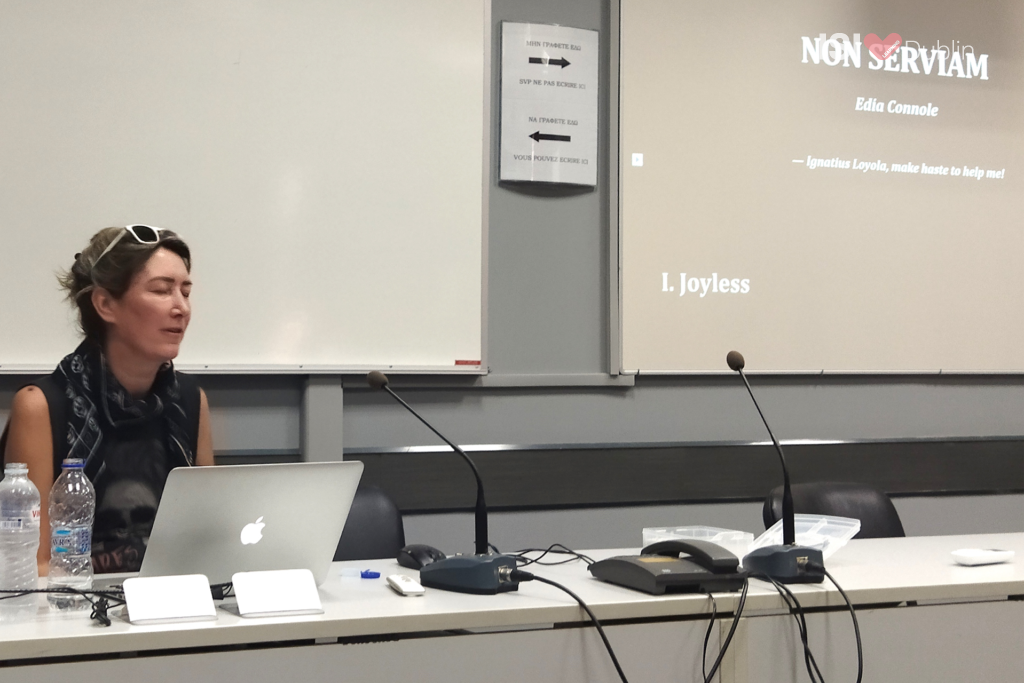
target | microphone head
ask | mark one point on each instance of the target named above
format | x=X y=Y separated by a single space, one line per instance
x=735 y=360
x=377 y=379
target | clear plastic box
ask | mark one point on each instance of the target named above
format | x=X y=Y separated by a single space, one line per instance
x=736 y=542
x=827 y=534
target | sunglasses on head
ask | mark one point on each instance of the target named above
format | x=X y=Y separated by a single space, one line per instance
x=143 y=234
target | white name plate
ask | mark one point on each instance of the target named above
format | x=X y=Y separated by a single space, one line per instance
x=276 y=593
x=165 y=599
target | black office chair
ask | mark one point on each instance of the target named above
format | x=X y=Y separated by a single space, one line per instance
x=374 y=528
x=877 y=515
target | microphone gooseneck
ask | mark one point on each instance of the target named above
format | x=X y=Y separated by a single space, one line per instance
x=378 y=380
x=736 y=363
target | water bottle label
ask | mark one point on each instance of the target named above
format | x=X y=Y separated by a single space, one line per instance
x=71 y=540
x=16 y=523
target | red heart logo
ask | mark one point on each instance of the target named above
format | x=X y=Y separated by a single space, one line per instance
x=883 y=49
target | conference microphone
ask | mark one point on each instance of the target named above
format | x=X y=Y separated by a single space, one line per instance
x=482 y=573
x=786 y=563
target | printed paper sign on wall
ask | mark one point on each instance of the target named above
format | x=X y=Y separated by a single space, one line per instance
x=548 y=104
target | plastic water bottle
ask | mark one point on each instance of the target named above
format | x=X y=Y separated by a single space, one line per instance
x=19 y=541
x=72 y=507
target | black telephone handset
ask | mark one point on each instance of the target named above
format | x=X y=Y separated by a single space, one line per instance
x=712 y=557
x=704 y=567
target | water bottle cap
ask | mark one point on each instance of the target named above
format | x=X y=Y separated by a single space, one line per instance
x=16 y=467
x=73 y=463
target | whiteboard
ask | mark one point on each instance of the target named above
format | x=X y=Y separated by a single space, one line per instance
x=324 y=161
x=787 y=195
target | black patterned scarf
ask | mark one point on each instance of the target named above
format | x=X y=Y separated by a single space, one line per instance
x=98 y=402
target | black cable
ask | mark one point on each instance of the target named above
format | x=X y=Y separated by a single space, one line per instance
x=99 y=610
x=798 y=614
x=519 y=575
x=810 y=662
x=707 y=636
x=732 y=631
x=220 y=591
x=100 y=606
x=856 y=626
x=554 y=548
x=16 y=594
x=106 y=597
x=795 y=609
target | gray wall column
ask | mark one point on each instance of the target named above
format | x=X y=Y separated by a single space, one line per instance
x=322 y=404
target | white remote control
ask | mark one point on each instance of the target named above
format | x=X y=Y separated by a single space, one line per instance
x=976 y=556
x=405 y=585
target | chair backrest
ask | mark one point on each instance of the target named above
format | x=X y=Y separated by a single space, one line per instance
x=877 y=515
x=374 y=529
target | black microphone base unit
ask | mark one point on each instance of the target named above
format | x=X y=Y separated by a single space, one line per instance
x=660 y=575
x=477 y=574
x=786 y=563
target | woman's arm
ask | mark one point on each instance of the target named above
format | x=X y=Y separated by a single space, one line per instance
x=29 y=440
x=204 y=449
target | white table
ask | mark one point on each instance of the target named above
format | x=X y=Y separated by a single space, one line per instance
x=962 y=628
x=962 y=619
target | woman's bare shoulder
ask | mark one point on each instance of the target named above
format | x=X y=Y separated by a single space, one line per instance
x=30 y=401
x=29 y=437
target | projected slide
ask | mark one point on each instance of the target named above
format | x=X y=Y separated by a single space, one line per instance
x=824 y=186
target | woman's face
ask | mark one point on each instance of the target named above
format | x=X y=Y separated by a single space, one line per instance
x=152 y=316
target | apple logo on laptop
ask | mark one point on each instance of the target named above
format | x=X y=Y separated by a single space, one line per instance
x=252 y=532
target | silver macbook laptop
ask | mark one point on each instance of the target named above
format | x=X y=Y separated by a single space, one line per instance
x=221 y=520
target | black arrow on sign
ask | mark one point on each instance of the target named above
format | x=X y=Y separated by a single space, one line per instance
x=538 y=136
x=561 y=61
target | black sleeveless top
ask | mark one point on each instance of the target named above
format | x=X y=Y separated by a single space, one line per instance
x=129 y=487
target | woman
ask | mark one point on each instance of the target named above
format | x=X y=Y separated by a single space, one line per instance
x=116 y=401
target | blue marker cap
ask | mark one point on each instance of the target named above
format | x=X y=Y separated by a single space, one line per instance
x=369 y=574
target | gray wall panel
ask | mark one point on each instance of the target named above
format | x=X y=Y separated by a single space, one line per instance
x=680 y=409
x=547 y=309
